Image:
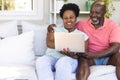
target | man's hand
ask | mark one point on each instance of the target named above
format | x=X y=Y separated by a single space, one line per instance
x=89 y=55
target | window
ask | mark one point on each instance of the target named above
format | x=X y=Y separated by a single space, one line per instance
x=21 y=9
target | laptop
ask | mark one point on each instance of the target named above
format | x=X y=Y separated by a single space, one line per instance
x=74 y=41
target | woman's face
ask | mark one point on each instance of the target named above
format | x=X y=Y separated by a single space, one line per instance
x=69 y=20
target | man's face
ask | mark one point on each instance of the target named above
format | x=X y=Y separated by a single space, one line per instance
x=97 y=14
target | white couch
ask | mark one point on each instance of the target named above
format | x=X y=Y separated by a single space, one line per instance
x=19 y=53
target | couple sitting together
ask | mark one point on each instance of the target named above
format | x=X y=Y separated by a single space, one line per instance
x=102 y=43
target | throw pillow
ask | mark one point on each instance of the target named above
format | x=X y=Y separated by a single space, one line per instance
x=17 y=50
x=40 y=36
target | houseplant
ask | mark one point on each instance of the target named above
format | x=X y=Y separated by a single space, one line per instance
x=88 y=4
x=65 y=0
x=110 y=8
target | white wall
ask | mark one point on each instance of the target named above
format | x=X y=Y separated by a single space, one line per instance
x=116 y=13
x=81 y=3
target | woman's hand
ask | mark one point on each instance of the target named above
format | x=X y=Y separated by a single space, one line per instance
x=67 y=52
x=50 y=36
x=51 y=27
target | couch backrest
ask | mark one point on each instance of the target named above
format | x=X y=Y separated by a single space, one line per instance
x=8 y=29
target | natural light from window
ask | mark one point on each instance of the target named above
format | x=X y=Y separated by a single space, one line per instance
x=17 y=5
x=21 y=9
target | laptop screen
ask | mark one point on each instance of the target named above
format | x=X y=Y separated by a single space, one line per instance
x=74 y=41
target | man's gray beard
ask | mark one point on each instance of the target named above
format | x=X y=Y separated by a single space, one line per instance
x=95 y=22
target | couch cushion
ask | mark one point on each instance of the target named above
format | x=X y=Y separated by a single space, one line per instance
x=40 y=36
x=17 y=72
x=101 y=72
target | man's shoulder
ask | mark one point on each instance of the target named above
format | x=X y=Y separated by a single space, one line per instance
x=111 y=22
x=83 y=22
